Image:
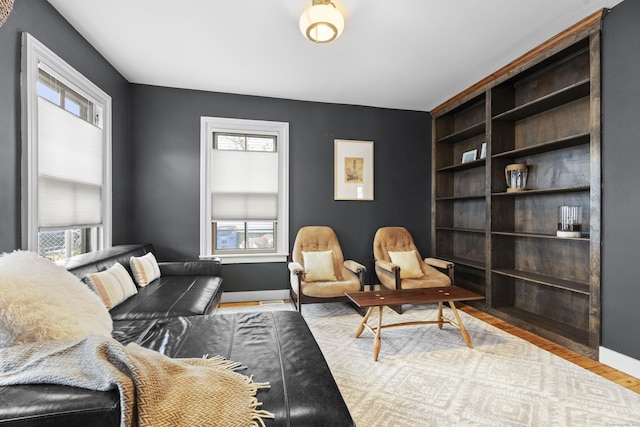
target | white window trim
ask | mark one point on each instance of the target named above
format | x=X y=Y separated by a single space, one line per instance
x=33 y=54
x=211 y=125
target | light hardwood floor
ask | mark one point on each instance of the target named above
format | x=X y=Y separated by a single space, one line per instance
x=594 y=366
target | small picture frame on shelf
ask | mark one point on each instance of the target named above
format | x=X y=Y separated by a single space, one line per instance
x=469 y=156
x=483 y=150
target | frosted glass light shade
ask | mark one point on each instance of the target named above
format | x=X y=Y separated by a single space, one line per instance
x=321 y=23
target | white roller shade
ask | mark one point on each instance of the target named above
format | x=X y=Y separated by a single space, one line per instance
x=244 y=185
x=70 y=159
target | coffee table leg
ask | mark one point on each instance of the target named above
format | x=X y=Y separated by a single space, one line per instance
x=463 y=331
x=377 y=342
x=364 y=322
x=440 y=321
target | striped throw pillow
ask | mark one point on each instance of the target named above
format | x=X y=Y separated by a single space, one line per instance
x=144 y=268
x=113 y=285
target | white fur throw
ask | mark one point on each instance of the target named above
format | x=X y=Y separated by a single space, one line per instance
x=40 y=301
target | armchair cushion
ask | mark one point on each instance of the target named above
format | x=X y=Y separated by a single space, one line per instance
x=329 y=289
x=318 y=266
x=408 y=263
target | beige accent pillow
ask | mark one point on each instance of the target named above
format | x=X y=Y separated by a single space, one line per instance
x=113 y=285
x=408 y=262
x=318 y=266
x=145 y=269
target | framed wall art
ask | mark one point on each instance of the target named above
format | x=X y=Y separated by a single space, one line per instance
x=353 y=170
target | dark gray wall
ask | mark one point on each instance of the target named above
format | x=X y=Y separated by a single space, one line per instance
x=621 y=178
x=41 y=20
x=166 y=171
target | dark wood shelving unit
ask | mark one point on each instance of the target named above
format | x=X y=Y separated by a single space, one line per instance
x=467 y=133
x=578 y=287
x=468 y=262
x=454 y=198
x=570 y=141
x=543 y=110
x=463 y=166
x=563 y=96
x=464 y=230
x=559 y=332
x=539 y=236
x=542 y=191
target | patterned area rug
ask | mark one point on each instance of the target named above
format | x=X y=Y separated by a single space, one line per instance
x=429 y=377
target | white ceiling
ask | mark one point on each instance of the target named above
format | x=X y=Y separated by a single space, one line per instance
x=404 y=54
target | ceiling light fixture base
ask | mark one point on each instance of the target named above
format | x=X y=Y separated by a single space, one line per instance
x=321 y=22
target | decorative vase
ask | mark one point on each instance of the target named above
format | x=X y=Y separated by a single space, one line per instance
x=569 y=221
x=516 y=176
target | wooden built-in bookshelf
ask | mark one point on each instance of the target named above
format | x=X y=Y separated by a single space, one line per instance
x=544 y=111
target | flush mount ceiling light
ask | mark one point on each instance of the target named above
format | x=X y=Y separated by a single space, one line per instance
x=321 y=22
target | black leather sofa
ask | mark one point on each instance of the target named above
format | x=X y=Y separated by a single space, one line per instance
x=171 y=317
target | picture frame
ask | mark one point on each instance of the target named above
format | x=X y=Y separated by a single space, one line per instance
x=353 y=170
x=469 y=156
x=483 y=150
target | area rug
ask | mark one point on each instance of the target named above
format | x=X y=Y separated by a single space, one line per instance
x=429 y=377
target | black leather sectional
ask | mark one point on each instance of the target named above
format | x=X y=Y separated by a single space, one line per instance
x=173 y=316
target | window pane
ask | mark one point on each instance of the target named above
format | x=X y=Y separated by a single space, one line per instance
x=61 y=95
x=48 y=93
x=260 y=235
x=261 y=143
x=228 y=235
x=72 y=107
x=231 y=235
x=60 y=244
x=230 y=142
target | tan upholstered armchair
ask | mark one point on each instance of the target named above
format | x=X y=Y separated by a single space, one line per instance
x=318 y=271
x=398 y=263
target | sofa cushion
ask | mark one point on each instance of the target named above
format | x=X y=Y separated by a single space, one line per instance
x=113 y=285
x=35 y=304
x=276 y=347
x=171 y=296
x=144 y=269
x=48 y=405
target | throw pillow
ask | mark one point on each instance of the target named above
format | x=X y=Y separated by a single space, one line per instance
x=145 y=269
x=113 y=285
x=318 y=266
x=408 y=262
x=41 y=301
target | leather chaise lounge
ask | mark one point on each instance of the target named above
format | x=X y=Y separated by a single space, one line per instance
x=173 y=316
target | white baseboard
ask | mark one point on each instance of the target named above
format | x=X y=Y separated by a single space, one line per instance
x=620 y=361
x=277 y=294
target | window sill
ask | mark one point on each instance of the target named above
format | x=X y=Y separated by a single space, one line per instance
x=248 y=258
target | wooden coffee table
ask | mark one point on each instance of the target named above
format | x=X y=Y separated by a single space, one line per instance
x=383 y=298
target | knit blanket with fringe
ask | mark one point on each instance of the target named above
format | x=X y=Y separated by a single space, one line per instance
x=155 y=390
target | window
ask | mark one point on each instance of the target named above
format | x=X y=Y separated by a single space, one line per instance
x=244 y=197
x=66 y=138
